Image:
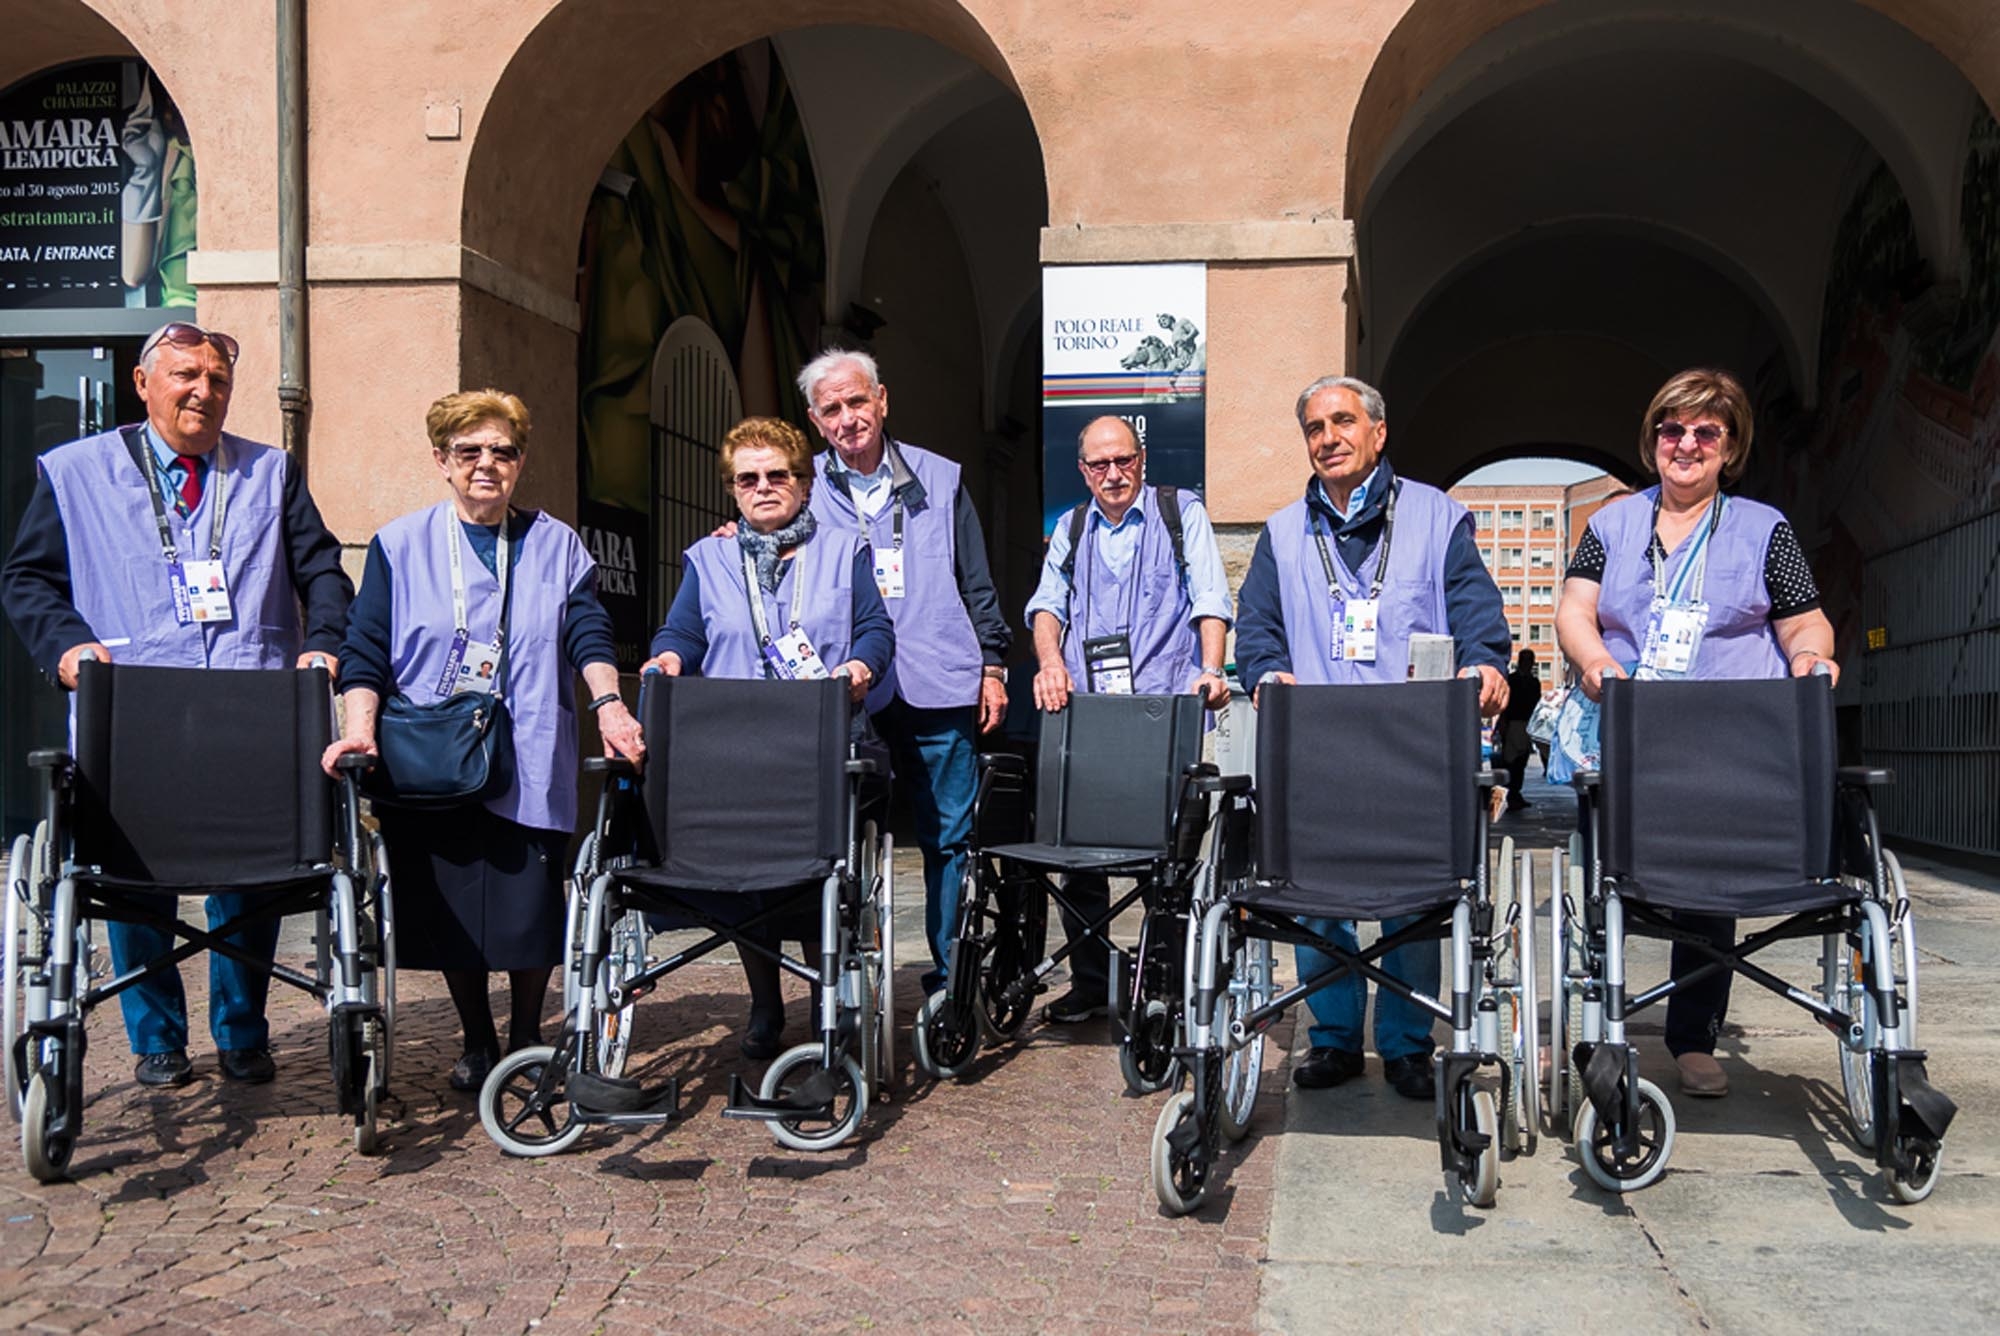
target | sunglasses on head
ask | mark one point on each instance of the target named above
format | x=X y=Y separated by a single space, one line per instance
x=183 y=335
x=1707 y=435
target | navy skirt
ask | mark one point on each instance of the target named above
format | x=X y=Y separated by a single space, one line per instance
x=474 y=891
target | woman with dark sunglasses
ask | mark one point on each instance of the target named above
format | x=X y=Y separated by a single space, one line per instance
x=778 y=599
x=1683 y=580
x=473 y=595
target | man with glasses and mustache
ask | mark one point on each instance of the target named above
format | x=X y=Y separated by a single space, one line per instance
x=946 y=684
x=175 y=544
x=1133 y=599
x=1341 y=580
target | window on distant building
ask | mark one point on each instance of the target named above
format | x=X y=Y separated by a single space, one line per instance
x=1510 y=519
x=1482 y=518
x=1545 y=519
x=1542 y=594
x=1542 y=559
x=1539 y=633
x=1510 y=558
x=1511 y=593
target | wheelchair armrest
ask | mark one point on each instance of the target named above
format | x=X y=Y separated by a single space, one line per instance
x=354 y=762
x=1005 y=762
x=1487 y=779
x=49 y=758
x=608 y=765
x=1206 y=777
x=861 y=765
x=1865 y=776
x=1586 y=781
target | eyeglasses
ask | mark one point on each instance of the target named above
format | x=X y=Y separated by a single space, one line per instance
x=1707 y=435
x=471 y=454
x=747 y=481
x=183 y=335
x=1098 y=467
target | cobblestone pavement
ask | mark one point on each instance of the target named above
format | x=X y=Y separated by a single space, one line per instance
x=1013 y=1201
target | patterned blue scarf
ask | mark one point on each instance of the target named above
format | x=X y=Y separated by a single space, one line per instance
x=765 y=546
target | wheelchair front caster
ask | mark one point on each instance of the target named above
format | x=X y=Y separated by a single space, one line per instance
x=788 y=1075
x=946 y=1044
x=1912 y=1187
x=1617 y=1173
x=46 y=1151
x=1481 y=1185
x=1146 y=1055
x=1180 y=1179
x=524 y=1105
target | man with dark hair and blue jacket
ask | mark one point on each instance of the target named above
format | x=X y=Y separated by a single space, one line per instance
x=946 y=684
x=1341 y=580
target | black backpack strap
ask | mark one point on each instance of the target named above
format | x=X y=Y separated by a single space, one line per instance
x=1075 y=538
x=1170 y=514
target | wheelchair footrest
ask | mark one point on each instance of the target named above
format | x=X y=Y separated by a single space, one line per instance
x=616 y=1101
x=813 y=1099
x=1929 y=1108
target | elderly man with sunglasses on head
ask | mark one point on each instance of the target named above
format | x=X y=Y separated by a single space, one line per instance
x=173 y=543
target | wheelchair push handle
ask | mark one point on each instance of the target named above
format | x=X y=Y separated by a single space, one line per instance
x=354 y=762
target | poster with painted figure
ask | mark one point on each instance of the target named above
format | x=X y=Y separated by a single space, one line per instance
x=1131 y=341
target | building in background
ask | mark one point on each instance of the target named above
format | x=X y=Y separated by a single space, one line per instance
x=1524 y=537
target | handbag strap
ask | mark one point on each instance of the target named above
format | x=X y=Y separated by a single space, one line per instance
x=506 y=609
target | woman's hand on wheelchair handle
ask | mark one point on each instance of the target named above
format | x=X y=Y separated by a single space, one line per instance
x=1593 y=677
x=1052 y=687
x=621 y=733
x=859 y=679
x=666 y=661
x=343 y=747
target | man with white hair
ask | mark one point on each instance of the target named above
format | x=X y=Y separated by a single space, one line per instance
x=947 y=684
x=174 y=544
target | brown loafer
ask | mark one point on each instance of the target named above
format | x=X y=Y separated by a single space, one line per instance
x=1702 y=1076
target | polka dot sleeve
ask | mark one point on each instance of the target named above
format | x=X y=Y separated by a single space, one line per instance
x=1787 y=577
x=1588 y=561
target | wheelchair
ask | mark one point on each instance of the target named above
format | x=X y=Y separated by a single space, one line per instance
x=1120 y=790
x=1762 y=823
x=749 y=813
x=1371 y=802
x=116 y=840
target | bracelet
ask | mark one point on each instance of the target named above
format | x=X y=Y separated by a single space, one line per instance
x=603 y=701
x=1796 y=653
x=1207 y=671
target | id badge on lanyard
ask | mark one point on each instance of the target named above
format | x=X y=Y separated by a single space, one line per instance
x=1356 y=642
x=790 y=657
x=199 y=589
x=203 y=590
x=473 y=665
x=1678 y=618
x=1108 y=661
x=1356 y=629
x=889 y=561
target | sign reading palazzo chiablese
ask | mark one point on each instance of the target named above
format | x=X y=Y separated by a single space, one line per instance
x=96 y=190
x=1127 y=340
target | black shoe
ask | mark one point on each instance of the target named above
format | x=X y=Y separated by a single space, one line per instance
x=1075 y=1007
x=1411 y=1076
x=1518 y=804
x=469 y=1072
x=1325 y=1068
x=171 y=1068
x=766 y=1036
x=252 y=1066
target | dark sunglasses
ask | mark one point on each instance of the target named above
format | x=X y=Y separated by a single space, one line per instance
x=1707 y=435
x=502 y=454
x=183 y=335
x=747 y=481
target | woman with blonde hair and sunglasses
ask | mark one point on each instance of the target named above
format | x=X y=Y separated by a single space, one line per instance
x=474 y=595
x=780 y=599
x=1733 y=598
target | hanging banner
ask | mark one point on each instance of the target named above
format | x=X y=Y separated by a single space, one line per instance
x=97 y=190
x=1128 y=340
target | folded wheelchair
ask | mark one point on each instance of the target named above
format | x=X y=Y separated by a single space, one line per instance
x=1724 y=798
x=1371 y=802
x=191 y=782
x=1120 y=790
x=747 y=817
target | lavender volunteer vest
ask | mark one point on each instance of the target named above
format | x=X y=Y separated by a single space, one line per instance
x=1412 y=591
x=1739 y=642
x=547 y=563
x=827 y=611
x=119 y=578
x=1148 y=600
x=938 y=660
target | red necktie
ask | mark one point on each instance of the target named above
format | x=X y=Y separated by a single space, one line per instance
x=190 y=482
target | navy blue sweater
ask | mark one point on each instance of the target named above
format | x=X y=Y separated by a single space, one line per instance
x=1473 y=612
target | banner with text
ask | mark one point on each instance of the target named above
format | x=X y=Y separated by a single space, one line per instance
x=97 y=190
x=1127 y=340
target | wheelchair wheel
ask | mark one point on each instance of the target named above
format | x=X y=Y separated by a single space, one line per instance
x=1249 y=989
x=1178 y=1180
x=16 y=1007
x=574 y=888
x=47 y=1154
x=1146 y=1056
x=1482 y=1185
x=945 y=1045
x=1008 y=955
x=524 y=1105
x=385 y=963
x=1921 y=1182
x=624 y=961
x=367 y=1139
x=877 y=940
x=1847 y=985
x=1520 y=1032
x=1614 y=1172
x=792 y=1069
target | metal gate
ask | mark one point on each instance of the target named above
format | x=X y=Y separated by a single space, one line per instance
x=1930 y=686
x=694 y=401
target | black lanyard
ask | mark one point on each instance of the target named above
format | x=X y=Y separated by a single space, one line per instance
x=148 y=465
x=1334 y=589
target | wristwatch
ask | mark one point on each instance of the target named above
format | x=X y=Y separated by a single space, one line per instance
x=996 y=671
x=1207 y=671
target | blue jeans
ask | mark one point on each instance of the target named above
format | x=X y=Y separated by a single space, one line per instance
x=934 y=757
x=155 y=1009
x=1402 y=1028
